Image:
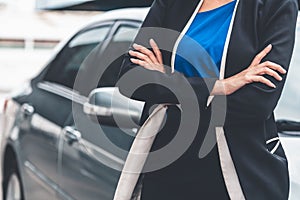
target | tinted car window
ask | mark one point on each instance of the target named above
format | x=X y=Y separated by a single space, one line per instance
x=125 y=34
x=93 y=36
x=113 y=55
x=64 y=68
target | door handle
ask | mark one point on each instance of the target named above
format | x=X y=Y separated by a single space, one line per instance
x=71 y=135
x=27 y=110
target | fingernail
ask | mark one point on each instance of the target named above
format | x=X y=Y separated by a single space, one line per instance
x=130 y=52
x=284 y=71
x=274 y=86
x=151 y=40
x=270 y=46
x=135 y=45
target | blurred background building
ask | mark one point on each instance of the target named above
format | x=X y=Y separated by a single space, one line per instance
x=30 y=29
x=92 y=5
x=28 y=36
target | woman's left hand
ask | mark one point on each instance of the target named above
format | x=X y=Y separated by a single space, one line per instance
x=146 y=58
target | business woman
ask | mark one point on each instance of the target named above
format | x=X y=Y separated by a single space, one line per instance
x=250 y=43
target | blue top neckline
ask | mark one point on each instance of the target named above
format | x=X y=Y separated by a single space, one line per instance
x=218 y=8
x=206 y=37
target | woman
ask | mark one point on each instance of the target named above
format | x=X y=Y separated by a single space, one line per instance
x=250 y=44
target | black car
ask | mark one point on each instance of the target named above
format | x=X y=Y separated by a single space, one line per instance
x=54 y=149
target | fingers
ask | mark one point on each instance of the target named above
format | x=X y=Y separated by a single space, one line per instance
x=271 y=69
x=145 y=51
x=273 y=66
x=255 y=72
x=270 y=72
x=268 y=68
x=140 y=56
x=148 y=65
x=141 y=63
x=263 y=80
x=156 y=50
x=258 y=58
x=146 y=58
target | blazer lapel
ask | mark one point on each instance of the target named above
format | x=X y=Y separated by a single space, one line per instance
x=187 y=21
x=225 y=51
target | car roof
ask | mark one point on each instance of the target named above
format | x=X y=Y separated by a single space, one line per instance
x=136 y=14
x=121 y=14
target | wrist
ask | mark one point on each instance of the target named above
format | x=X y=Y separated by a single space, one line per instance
x=232 y=84
x=219 y=88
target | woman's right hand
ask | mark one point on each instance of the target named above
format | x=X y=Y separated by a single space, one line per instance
x=254 y=73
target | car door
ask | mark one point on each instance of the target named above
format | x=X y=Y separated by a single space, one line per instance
x=46 y=109
x=93 y=154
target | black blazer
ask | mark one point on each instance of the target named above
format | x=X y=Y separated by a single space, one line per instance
x=249 y=121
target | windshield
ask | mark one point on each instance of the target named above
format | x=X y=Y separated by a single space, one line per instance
x=289 y=104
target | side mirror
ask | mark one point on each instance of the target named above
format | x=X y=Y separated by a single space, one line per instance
x=108 y=106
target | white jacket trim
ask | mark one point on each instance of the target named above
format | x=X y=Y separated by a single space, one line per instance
x=138 y=154
x=231 y=179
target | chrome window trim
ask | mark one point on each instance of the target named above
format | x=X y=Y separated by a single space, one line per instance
x=62 y=91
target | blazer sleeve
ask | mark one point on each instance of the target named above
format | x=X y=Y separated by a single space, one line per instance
x=257 y=101
x=160 y=88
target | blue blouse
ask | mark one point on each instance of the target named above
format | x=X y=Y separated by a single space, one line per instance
x=199 y=53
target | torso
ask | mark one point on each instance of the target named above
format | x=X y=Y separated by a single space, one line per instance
x=244 y=45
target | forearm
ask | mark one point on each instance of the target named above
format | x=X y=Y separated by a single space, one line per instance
x=157 y=87
x=227 y=86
